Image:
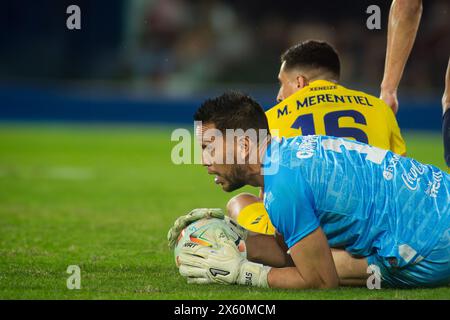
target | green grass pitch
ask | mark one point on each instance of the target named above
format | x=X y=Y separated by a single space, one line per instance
x=103 y=198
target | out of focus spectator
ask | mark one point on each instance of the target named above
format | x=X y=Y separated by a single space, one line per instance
x=181 y=47
x=188 y=46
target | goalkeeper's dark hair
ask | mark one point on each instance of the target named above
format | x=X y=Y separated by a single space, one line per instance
x=232 y=110
x=312 y=54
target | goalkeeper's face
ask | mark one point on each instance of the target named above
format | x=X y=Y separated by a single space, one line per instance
x=222 y=157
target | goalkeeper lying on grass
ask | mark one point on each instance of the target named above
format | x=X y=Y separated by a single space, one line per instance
x=370 y=206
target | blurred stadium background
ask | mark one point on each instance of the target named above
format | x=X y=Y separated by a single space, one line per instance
x=86 y=116
x=136 y=60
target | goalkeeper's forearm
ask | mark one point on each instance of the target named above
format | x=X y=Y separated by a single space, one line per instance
x=290 y=278
x=261 y=276
x=283 y=278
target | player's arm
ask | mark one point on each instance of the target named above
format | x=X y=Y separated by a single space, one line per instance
x=314 y=266
x=446 y=95
x=404 y=19
x=293 y=211
x=446 y=116
x=262 y=246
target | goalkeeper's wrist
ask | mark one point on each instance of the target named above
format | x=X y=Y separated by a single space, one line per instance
x=239 y=230
x=253 y=274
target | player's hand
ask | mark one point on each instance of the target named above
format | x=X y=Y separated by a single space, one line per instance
x=390 y=97
x=200 y=264
x=236 y=228
x=183 y=221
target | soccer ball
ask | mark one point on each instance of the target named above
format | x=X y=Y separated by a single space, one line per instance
x=203 y=232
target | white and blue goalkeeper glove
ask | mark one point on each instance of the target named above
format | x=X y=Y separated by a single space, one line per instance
x=183 y=221
x=200 y=264
x=197 y=214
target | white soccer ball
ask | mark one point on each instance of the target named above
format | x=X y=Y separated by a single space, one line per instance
x=203 y=232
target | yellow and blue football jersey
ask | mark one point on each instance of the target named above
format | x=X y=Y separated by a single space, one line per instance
x=370 y=201
x=326 y=108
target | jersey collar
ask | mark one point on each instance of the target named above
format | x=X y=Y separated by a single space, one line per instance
x=313 y=84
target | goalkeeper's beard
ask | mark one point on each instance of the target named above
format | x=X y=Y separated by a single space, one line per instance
x=236 y=179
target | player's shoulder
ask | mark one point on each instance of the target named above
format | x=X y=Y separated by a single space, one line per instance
x=280 y=106
x=373 y=100
x=293 y=150
x=298 y=95
x=273 y=109
x=294 y=142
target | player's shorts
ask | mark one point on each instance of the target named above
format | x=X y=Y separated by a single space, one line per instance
x=432 y=271
x=255 y=218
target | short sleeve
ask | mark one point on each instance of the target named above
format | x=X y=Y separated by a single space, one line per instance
x=289 y=201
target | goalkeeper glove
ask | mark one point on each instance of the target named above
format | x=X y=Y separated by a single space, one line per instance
x=200 y=264
x=183 y=221
x=197 y=214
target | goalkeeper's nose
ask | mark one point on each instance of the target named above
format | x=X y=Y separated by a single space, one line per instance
x=206 y=159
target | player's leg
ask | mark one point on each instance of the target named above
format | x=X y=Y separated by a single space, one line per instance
x=249 y=212
x=431 y=271
x=268 y=249
x=265 y=249
x=351 y=271
x=446 y=117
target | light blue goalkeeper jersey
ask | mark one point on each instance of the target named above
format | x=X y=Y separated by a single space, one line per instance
x=367 y=200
